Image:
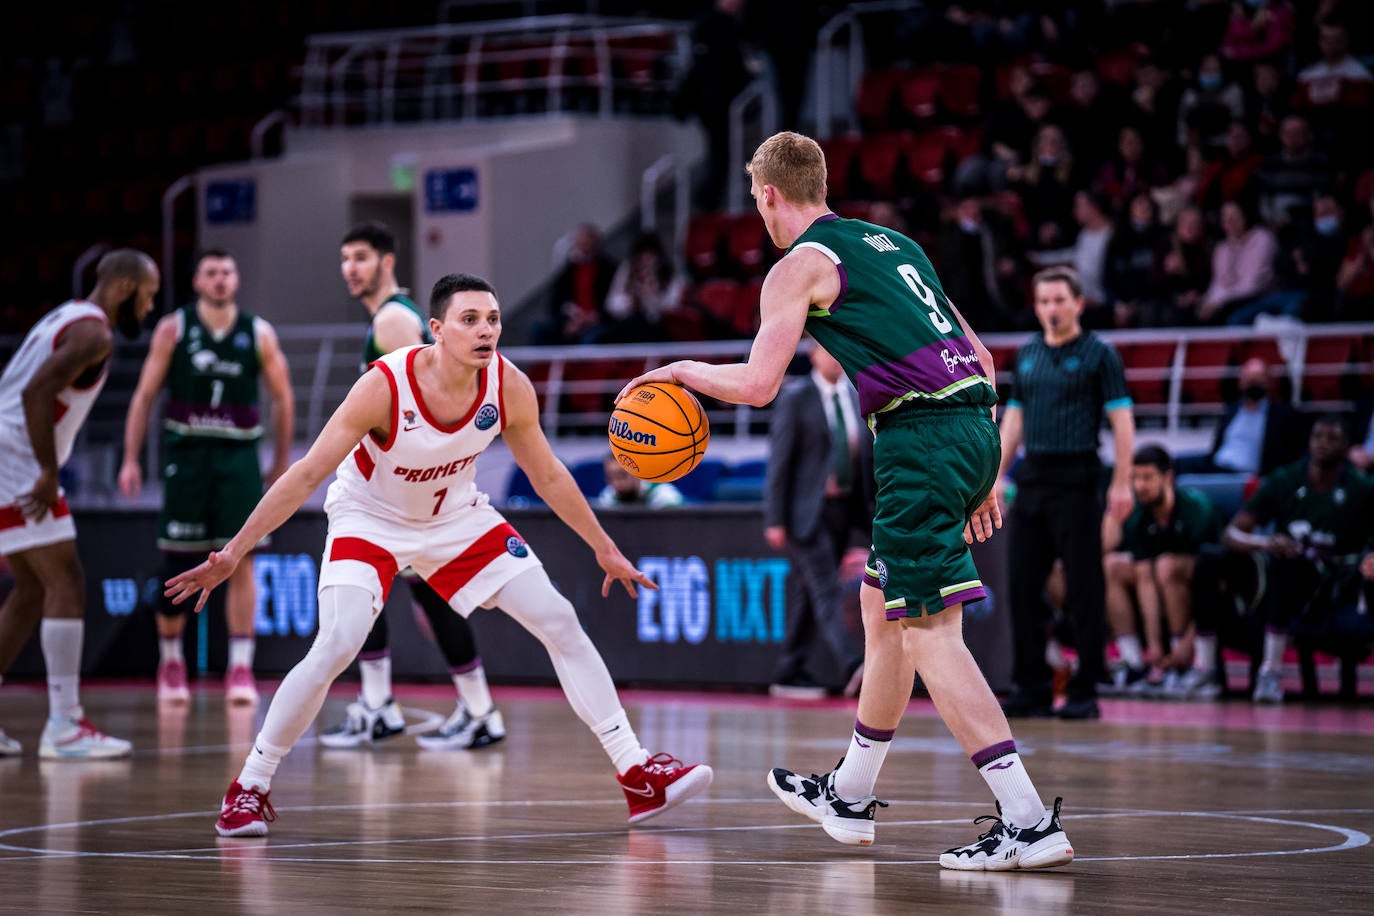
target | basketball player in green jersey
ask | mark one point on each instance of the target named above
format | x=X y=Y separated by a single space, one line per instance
x=367 y=260
x=211 y=354
x=869 y=295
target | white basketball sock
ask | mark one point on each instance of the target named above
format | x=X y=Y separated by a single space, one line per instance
x=376 y=675
x=241 y=651
x=61 y=639
x=1002 y=769
x=858 y=772
x=169 y=648
x=620 y=742
x=471 y=684
x=1205 y=652
x=1129 y=649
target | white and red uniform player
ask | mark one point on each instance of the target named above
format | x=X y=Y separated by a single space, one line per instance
x=18 y=467
x=417 y=494
x=403 y=445
x=46 y=392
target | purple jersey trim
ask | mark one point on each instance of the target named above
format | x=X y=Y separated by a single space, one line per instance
x=928 y=370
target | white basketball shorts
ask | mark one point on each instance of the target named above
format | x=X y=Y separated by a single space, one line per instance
x=18 y=471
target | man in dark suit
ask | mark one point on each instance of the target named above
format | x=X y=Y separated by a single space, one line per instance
x=819 y=491
x=1258 y=433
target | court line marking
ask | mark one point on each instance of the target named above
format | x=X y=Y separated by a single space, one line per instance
x=428 y=721
x=1352 y=838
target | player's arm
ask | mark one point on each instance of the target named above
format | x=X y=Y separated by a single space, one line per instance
x=367 y=408
x=395 y=326
x=80 y=345
x=803 y=278
x=555 y=485
x=276 y=375
x=150 y=379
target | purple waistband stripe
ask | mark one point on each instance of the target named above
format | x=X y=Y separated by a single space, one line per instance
x=994 y=752
x=873 y=734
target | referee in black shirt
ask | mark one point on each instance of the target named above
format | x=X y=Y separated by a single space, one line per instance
x=1065 y=381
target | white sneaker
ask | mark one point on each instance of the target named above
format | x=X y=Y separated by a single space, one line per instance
x=1268 y=689
x=78 y=739
x=1004 y=848
x=8 y=746
x=365 y=725
x=1197 y=684
x=464 y=731
x=848 y=822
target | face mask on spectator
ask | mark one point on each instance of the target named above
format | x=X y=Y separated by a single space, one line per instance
x=1254 y=392
x=1209 y=81
x=1327 y=225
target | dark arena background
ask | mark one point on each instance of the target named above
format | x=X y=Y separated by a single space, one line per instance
x=1203 y=164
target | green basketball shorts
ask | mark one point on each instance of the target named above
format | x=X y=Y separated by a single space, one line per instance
x=934 y=467
x=209 y=488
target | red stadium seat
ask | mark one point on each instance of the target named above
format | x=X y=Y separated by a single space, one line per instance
x=745 y=240
x=919 y=93
x=874 y=102
x=1325 y=363
x=705 y=238
x=878 y=160
x=746 y=317
x=717 y=298
x=1147 y=366
x=958 y=90
x=1211 y=357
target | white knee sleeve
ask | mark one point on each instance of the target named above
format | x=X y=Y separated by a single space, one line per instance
x=537 y=606
x=346 y=616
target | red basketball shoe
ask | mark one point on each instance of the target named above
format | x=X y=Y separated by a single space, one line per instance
x=245 y=812
x=660 y=783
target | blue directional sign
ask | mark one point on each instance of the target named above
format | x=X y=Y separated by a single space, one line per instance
x=451 y=190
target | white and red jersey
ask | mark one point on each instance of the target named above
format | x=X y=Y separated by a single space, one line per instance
x=73 y=402
x=425 y=470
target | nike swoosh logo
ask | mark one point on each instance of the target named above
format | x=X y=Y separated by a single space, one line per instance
x=1001 y=766
x=646 y=792
x=409 y=428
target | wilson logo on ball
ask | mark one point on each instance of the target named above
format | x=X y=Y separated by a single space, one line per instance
x=621 y=430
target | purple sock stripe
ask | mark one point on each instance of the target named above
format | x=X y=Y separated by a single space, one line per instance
x=873 y=734
x=375 y=656
x=989 y=754
x=469 y=667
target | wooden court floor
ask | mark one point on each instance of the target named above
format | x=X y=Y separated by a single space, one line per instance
x=1171 y=808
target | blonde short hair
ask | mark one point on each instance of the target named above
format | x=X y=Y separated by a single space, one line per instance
x=792 y=163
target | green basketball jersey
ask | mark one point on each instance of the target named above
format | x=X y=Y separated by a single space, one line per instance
x=891 y=327
x=371 y=352
x=213 y=381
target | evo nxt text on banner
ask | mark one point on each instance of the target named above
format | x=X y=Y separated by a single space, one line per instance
x=742 y=600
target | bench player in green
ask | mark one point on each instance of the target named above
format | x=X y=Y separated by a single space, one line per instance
x=869 y=295
x=367 y=260
x=211 y=355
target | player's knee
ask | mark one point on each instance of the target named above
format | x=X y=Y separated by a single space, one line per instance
x=1172 y=567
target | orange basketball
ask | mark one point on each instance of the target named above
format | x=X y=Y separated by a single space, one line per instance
x=659 y=432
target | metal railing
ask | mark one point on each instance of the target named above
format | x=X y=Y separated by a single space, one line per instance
x=448 y=71
x=839 y=74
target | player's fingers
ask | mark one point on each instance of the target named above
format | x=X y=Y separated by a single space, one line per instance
x=644 y=580
x=204 y=597
x=630 y=587
x=606 y=585
x=968 y=533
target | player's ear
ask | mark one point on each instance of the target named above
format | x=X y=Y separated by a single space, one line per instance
x=389 y=260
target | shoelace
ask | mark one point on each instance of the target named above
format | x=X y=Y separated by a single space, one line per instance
x=661 y=763
x=250 y=801
x=998 y=827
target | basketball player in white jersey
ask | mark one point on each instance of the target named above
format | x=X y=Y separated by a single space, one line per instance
x=404 y=443
x=46 y=392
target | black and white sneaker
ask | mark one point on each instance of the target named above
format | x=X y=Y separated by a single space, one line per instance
x=849 y=822
x=1004 y=847
x=365 y=725
x=464 y=732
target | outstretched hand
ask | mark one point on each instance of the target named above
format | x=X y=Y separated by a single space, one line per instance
x=217 y=567
x=619 y=569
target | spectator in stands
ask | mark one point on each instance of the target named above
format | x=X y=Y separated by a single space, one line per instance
x=1267 y=98
x=1320 y=509
x=818 y=496
x=1209 y=105
x=645 y=286
x=1047 y=184
x=1090 y=118
x=1130 y=171
x=1228 y=177
x=1259 y=30
x=1242 y=265
x=1008 y=137
x=977 y=256
x=1311 y=250
x=1355 y=280
x=1338 y=79
x=1066 y=381
x=1291 y=176
x=577 y=300
x=719 y=72
x=1182 y=192
x=1088 y=256
x=1256 y=434
x=1132 y=278
x=1152 y=568
x=1187 y=268
x=624 y=489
